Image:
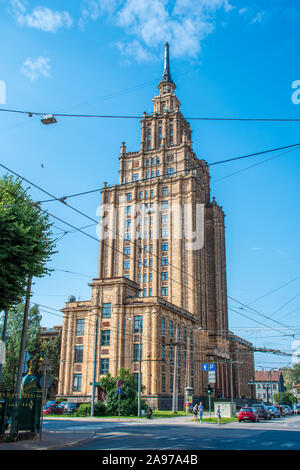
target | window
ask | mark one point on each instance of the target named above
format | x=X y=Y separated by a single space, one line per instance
x=136 y=352
x=145 y=292
x=138 y=323
x=150 y=292
x=163 y=383
x=80 y=327
x=145 y=277
x=165 y=204
x=171 y=355
x=152 y=193
x=126 y=250
x=139 y=278
x=163 y=351
x=104 y=366
x=152 y=161
x=126 y=264
x=165 y=191
x=146 y=197
x=150 y=277
x=164 y=261
x=127 y=223
x=157 y=161
x=164 y=291
x=163 y=326
x=128 y=209
x=135 y=177
x=164 y=218
x=127 y=236
x=164 y=276
x=164 y=247
x=78 y=354
x=150 y=262
x=147 y=175
x=147 y=162
x=140 y=263
x=105 y=337
x=157 y=172
x=128 y=196
x=152 y=174
x=151 y=248
x=170 y=171
x=77 y=382
x=106 y=310
x=141 y=195
x=164 y=232
x=171 y=328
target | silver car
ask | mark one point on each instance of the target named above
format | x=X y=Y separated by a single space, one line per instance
x=275 y=413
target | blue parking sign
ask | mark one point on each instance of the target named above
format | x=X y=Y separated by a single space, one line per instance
x=119 y=391
x=212 y=366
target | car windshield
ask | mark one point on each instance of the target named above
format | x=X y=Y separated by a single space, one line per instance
x=246 y=410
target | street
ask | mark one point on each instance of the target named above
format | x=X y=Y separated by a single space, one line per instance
x=181 y=434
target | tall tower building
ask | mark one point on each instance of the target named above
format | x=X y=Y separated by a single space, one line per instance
x=162 y=271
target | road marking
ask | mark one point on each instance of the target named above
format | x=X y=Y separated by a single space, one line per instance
x=266 y=443
x=289 y=444
x=161 y=437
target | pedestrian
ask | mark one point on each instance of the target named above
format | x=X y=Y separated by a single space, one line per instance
x=195 y=412
x=200 y=408
x=149 y=412
x=219 y=414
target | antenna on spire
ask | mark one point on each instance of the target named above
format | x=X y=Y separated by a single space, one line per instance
x=167 y=74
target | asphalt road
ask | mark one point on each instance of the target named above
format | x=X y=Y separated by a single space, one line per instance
x=277 y=434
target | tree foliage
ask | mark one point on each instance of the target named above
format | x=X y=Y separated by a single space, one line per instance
x=285 y=398
x=25 y=241
x=128 y=399
x=13 y=339
x=291 y=375
x=52 y=352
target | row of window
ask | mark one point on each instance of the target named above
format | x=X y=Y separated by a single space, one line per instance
x=145 y=195
x=164 y=234
x=164 y=262
x=170 y=171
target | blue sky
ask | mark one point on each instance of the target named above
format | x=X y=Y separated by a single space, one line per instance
x=228 y=59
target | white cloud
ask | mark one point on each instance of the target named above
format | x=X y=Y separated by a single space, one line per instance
x=34 y=68
x=183 y=23
x=41 y=18
x=259 y=17
x=242 y=11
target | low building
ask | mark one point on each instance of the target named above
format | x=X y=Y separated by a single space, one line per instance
x=295 y=390
x=50 y=333
x=267 y=384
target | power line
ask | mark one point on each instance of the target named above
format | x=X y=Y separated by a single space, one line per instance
x=109 y=116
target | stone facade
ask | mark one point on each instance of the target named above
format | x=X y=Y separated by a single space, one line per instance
x=161 y=258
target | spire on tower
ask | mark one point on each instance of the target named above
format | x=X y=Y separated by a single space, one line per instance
x=167 y=74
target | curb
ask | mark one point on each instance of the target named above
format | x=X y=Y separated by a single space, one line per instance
x=71 y=444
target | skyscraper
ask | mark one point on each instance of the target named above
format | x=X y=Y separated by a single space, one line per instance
x=161 y=287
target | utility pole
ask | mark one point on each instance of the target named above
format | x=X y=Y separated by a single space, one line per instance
x=175 y=375
x=94 y=367
x=15 y=411
x=140 y=368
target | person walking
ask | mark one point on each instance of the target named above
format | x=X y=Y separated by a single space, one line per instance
x=219 y=414
x=200 y=409
x=195 y=412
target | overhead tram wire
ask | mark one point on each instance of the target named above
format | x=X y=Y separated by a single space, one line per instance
x=101 y=241
x=63 y=198
x=108 y=116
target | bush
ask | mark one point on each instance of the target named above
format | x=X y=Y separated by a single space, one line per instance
x=84 y=409
x=100 y=409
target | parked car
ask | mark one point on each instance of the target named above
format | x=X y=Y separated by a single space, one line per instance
x=274 y=411
x=53 y=409
x=248 y=414
x=70 y=408
x=287 y=410
x=263 y=411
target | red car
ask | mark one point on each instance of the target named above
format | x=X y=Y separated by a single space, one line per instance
x=248 y=414
x=53 y=409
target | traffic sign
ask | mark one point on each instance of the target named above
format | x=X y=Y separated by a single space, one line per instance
x=212 y=366
x=204 y=366
x=119 y=391
x=119 y=383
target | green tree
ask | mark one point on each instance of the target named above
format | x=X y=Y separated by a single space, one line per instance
x=129 y=396
x=285 y=398
x=52 y=351
x=290 y=375
x=13 y=338
x=25 y=241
